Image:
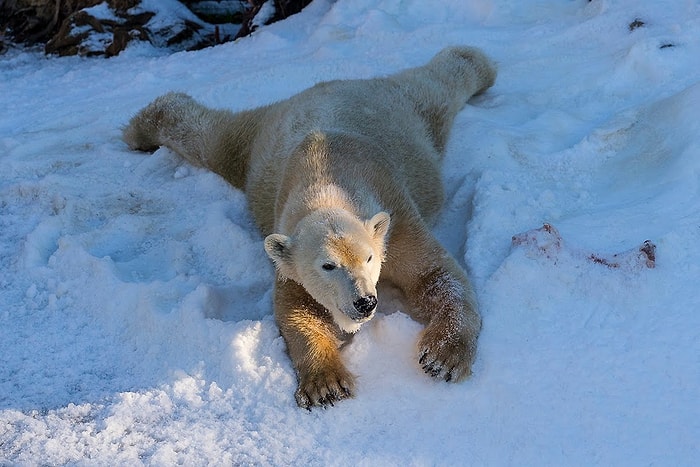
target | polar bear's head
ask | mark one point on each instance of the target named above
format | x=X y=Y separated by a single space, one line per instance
x=337 y=258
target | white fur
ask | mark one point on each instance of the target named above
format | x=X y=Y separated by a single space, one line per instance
x=336 y=237
x=321 y=170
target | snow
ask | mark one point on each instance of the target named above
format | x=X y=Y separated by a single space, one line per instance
x=101 y=11
x=135 y=304
x=265 y=14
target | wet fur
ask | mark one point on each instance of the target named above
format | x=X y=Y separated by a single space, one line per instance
x=321 y=170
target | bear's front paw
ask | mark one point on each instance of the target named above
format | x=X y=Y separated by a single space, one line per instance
x=324 y=387
x=445 y=354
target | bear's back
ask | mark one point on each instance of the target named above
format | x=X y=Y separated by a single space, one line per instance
x=375 y=110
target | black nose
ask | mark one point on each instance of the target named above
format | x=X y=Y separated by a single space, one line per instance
x=365 y=305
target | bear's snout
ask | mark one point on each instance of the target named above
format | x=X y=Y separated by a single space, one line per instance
x=365 y=305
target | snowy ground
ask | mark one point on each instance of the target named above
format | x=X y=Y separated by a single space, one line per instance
x=135 y=305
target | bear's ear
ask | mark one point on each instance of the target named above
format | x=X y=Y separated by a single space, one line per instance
x=279 y=249
x=378 y=225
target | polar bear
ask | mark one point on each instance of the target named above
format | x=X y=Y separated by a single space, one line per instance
x=344 y=181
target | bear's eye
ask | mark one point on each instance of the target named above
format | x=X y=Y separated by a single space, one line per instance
x=328 y=266
x=369 y=260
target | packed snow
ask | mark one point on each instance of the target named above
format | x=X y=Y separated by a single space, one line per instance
x=135 y=304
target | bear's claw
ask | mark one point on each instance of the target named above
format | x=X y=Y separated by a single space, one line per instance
x=436 y=370
x=324 y=391
x=422 y=358
x=433 y=369
x=448 y=359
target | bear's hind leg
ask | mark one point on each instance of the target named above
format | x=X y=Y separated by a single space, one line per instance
x=166 y=121
x=216 y=139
